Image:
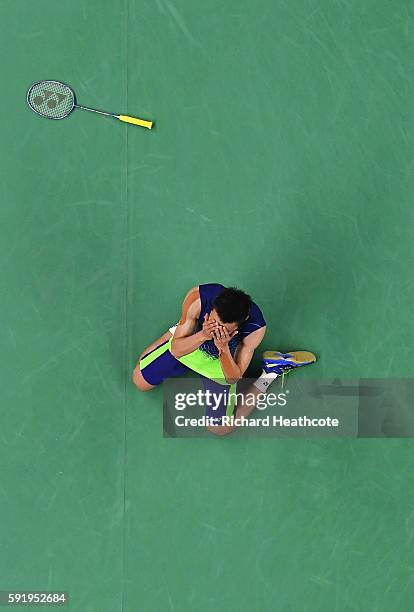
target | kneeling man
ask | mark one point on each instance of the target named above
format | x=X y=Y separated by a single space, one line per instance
x=218 y=332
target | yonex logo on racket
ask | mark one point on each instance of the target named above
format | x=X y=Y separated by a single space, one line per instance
x=38 y=100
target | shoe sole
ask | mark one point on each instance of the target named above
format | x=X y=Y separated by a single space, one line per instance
x=297 y=357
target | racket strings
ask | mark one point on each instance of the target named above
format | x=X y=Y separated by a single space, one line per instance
x=51 y=99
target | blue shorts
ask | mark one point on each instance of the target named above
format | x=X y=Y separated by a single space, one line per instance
x=159 y=364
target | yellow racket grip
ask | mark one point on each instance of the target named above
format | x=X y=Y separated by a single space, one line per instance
x=135 y=121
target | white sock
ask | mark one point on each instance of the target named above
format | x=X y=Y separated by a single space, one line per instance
x=172 y=329
x=265 y=380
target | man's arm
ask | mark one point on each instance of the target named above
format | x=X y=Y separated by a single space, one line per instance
x=235 y=368
x=245 y=351
x=185 y=341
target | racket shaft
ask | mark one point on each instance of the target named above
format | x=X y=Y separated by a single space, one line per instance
x=93 y=110
x=135 y=121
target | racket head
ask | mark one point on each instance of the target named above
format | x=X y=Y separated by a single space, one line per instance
x=51 y=99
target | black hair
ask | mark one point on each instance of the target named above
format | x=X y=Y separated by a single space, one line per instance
x=232 y=305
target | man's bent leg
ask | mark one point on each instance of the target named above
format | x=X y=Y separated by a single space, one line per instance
x=137 y=378
x=218 y=406
x=157 y=363
x=248 y=401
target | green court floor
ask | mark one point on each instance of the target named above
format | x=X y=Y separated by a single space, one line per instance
x=281 y=162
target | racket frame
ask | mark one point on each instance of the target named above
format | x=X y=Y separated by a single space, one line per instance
x=51 y=81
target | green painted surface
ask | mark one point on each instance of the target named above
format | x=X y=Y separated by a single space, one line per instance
x=281 y=162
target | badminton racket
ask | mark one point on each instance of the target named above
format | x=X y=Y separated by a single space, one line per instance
x=56 y=100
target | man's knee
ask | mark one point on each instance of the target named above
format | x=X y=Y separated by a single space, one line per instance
x=139 y=381
x=220 y=430
x=173 y=351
